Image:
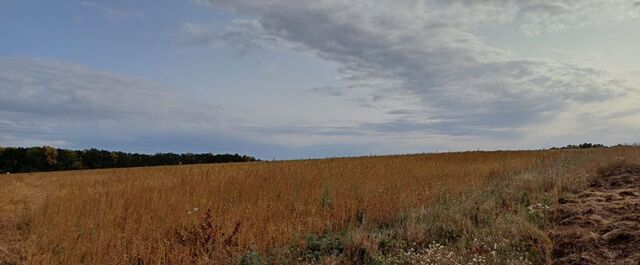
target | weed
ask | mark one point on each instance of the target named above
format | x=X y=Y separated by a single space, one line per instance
x=208 y=239
x=251 y=258
x=324 y=245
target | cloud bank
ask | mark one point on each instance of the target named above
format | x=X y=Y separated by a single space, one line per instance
x=60 y=103
x=411 y=76
x=432 y=50
x=56 y=103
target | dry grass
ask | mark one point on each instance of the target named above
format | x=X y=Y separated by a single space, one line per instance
x=159 y=215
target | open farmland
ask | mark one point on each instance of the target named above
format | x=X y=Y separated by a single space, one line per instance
x=454 y=208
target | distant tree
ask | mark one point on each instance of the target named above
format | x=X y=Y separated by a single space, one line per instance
x=51 y=156
x=2 y=167
x=47 y=158
x=583 y=146
x=36 y=159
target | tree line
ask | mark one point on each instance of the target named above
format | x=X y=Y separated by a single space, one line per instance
x=581 y=146
x=46 y=158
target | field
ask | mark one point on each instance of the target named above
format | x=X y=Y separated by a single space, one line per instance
x=454 y=208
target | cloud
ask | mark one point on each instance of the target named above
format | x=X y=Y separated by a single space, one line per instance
x=72 y=106
x=412 y=75
x=545 y=8
x=428 y=50
x=112 y=14
x=328 y=90
x=60 y=102
x=241 y=34
x=52 y=88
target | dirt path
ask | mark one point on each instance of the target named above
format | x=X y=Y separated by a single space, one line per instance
x=601 y=225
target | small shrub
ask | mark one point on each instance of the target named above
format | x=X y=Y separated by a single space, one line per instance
x=325 y=245
x=251 y=258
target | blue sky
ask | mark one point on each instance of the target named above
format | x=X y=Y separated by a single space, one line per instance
x=296 y=79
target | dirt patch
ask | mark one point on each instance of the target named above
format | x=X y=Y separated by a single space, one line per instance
x=600 y=225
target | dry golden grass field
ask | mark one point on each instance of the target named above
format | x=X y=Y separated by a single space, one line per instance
x=455 y=208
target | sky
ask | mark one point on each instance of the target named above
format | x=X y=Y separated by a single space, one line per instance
x=282 y=79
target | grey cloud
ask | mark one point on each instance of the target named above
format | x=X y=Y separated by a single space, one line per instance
x=426 y=49
x=197 y=34
x=19 y=129
x=395 y=127
x=202 y=142
x=448 y=128
x=65 y=105
x=307 y=130
x=14 y=127
x=49 y=101
x=329 y=90
x=624 y=113
x=52 y=88
x=535 y=16
x=243 y=35
x=406 y=124
x=401 y=112
x=548 y=8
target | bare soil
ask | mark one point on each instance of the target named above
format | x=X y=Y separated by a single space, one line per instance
x=600 y=225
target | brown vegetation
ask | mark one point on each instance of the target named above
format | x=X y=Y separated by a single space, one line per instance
x=383 y=210
x=601 y=225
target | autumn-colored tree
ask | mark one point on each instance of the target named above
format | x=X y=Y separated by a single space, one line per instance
x=51 y=155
